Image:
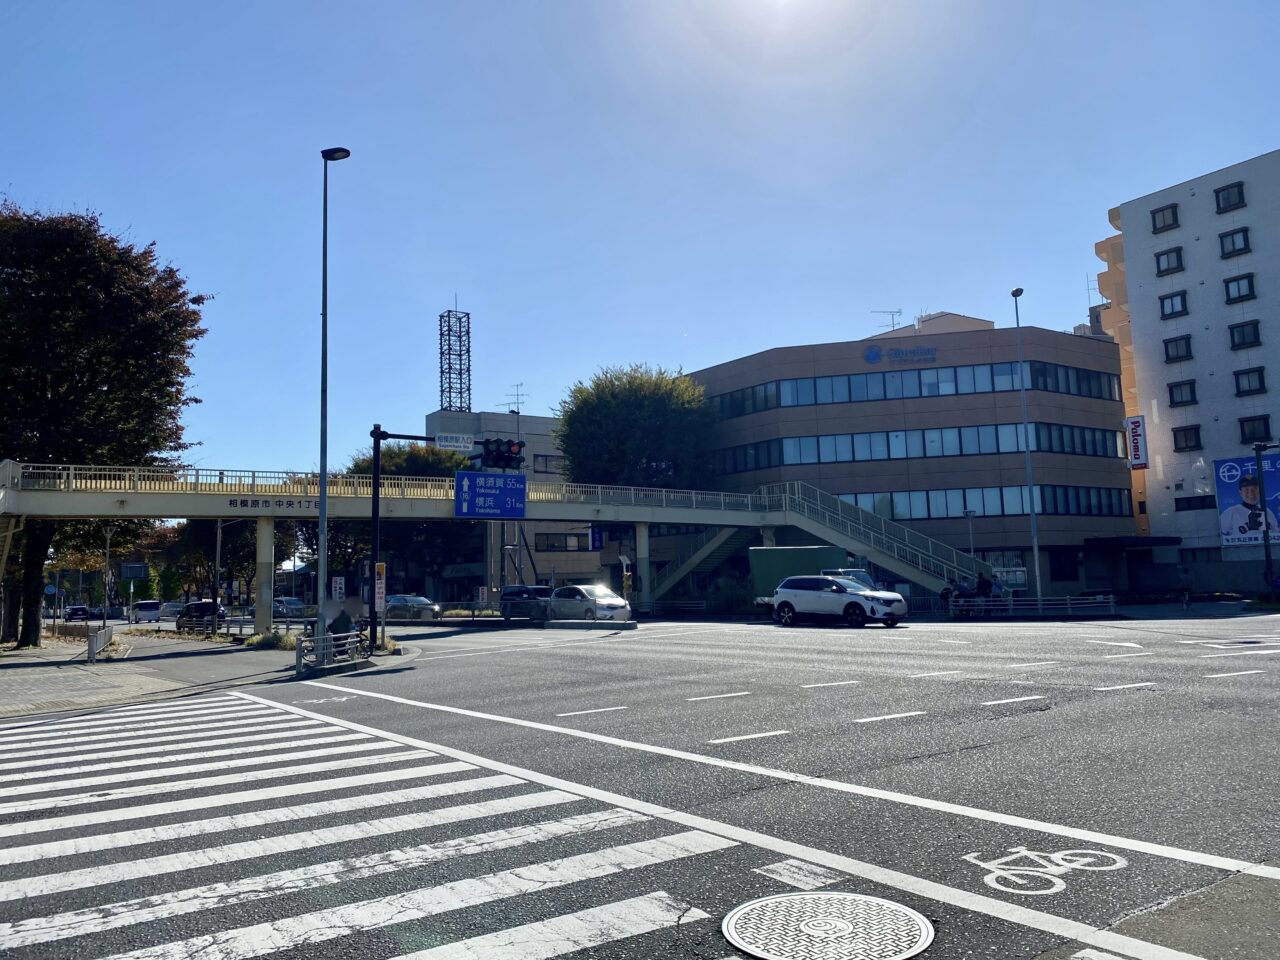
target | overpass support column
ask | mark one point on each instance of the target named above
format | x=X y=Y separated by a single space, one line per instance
x=642 y=564
x=266 y=577
x=766 y=537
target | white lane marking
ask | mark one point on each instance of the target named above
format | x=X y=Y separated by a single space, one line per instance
x=570 y=932
x=112 y=916
x=940 y=673
x=200 y=783
x=799 y=874
x=117 y=729
x=1125 y=656
x=1038 y=663
x=996 y=703
x=1126 y=686
x=36 y=724
x=253 y=820
x=1116 y=643
x=115 y=814
x=750 y=736
x=1238 y=673
x=977 y=903
x=172 y=735
x=1231 y=864
x=965 y=642
x=334 y=923
x=33 y=771
x=892 y=716
x=112 y=719
x=833 y=683
x=719 y=696
x=527 y=646
x=1091 y=954
x=1241 y=653
x=579 y=713
x=154 y=773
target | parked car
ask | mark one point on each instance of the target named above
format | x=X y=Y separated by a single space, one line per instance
x=403 y=606
x=145 y=611
x=836 y=598
x=76 y=612
x=199 y=615
x=524 y=600
x=588 y=602
x=283 y=609
x=170 y=610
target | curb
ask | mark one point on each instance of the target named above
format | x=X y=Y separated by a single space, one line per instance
x=590 y=625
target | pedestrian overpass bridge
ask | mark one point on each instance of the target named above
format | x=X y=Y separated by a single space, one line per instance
x=44 y=491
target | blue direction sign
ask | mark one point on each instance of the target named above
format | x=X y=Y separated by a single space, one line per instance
x=50 y=589
x=488 y=496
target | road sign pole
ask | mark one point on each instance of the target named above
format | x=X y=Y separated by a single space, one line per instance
x=378 y=435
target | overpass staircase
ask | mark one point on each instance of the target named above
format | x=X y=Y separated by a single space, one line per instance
x=703 y=555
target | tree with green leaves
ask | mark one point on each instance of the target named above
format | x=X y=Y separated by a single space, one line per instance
x=96 y=338
x=637 y=426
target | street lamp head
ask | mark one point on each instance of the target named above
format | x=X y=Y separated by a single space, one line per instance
x=335 y=153
x=1016 y=292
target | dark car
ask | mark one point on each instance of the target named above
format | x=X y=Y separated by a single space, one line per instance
x=76 y=613
x=200 y=615
x=525 y=601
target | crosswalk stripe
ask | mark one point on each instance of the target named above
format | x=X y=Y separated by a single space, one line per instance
x=156 y=772
x=46 y=731
x=200 y=783
x=248 y=821
x=171 y=735
x=78 y=923
x=154 y=712
x=115 y=814
x=34 y=724
x=322 y=926
x=570 y=932
x=36 y=769
x=117 y=729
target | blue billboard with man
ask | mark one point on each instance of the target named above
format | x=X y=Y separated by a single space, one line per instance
x=1243 y=512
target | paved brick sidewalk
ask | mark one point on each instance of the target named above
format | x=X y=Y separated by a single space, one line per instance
x=56 y=677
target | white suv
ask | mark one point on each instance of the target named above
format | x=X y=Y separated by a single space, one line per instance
x=836 y=598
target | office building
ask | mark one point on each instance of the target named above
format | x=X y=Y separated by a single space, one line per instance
x=923 y=425
x=1193 y=284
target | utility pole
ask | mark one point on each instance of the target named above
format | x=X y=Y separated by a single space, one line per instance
x=106 y=579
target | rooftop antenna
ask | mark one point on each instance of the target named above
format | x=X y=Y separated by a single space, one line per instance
x=893 y=316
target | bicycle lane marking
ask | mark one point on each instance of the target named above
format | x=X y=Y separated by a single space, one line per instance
x=1066 y=928
x=1230 y=864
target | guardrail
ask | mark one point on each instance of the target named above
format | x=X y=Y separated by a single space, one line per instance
x=968 y=607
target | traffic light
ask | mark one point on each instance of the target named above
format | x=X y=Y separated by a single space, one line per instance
x=503 y=454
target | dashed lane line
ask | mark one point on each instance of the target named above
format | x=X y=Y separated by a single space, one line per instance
x=580 y=713
x=1126 y=686
x=892 y=716
x=719 y=696
x=1241 y=653
x=750 y=736
x=1231 y=864
x=1238 y=673
x=939 y=673
x=833 y=683
x=996 y=703
x=1115 y=643
x=1122 y=656
x=1038 y=663
x=974 y=902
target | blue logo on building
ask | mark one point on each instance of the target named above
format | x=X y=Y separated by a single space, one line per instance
x=872 y=355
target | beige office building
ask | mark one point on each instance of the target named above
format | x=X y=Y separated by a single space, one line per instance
x=923 y=425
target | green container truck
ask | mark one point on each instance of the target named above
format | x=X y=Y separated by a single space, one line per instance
x=771 y=565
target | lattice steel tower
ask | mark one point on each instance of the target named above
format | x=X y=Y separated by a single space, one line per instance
x=455 y=361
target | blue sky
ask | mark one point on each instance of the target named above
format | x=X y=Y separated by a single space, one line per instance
x=677 y=182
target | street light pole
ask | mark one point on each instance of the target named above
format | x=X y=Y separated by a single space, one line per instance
x=106 y=579
x=969 y=515
x=1016 y=292
x=332 y=154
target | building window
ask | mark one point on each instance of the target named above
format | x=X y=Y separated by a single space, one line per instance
x=1186 y=438
x=1173 y=305
x=1164 y=218
x=1250 y=381
x=547 y=463
x=1168 y=261
x=1177 y=349
x=1064 y=564
x=1182 y=393
x=1239 y=288
x=1194 y=503
x=1201 y=554
x=1230 y=197
x=1255 y=429
x=1244 y=335
x=1234 y=242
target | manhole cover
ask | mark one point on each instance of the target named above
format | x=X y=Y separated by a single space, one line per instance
x=827 y=926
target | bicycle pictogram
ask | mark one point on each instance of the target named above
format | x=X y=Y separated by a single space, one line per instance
x=1028 y=872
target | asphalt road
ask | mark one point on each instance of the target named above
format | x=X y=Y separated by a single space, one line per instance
x=534 y=793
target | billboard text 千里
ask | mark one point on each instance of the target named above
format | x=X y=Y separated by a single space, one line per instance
x=1241 y=510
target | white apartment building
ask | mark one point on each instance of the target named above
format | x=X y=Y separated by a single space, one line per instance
x=1193 y=280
